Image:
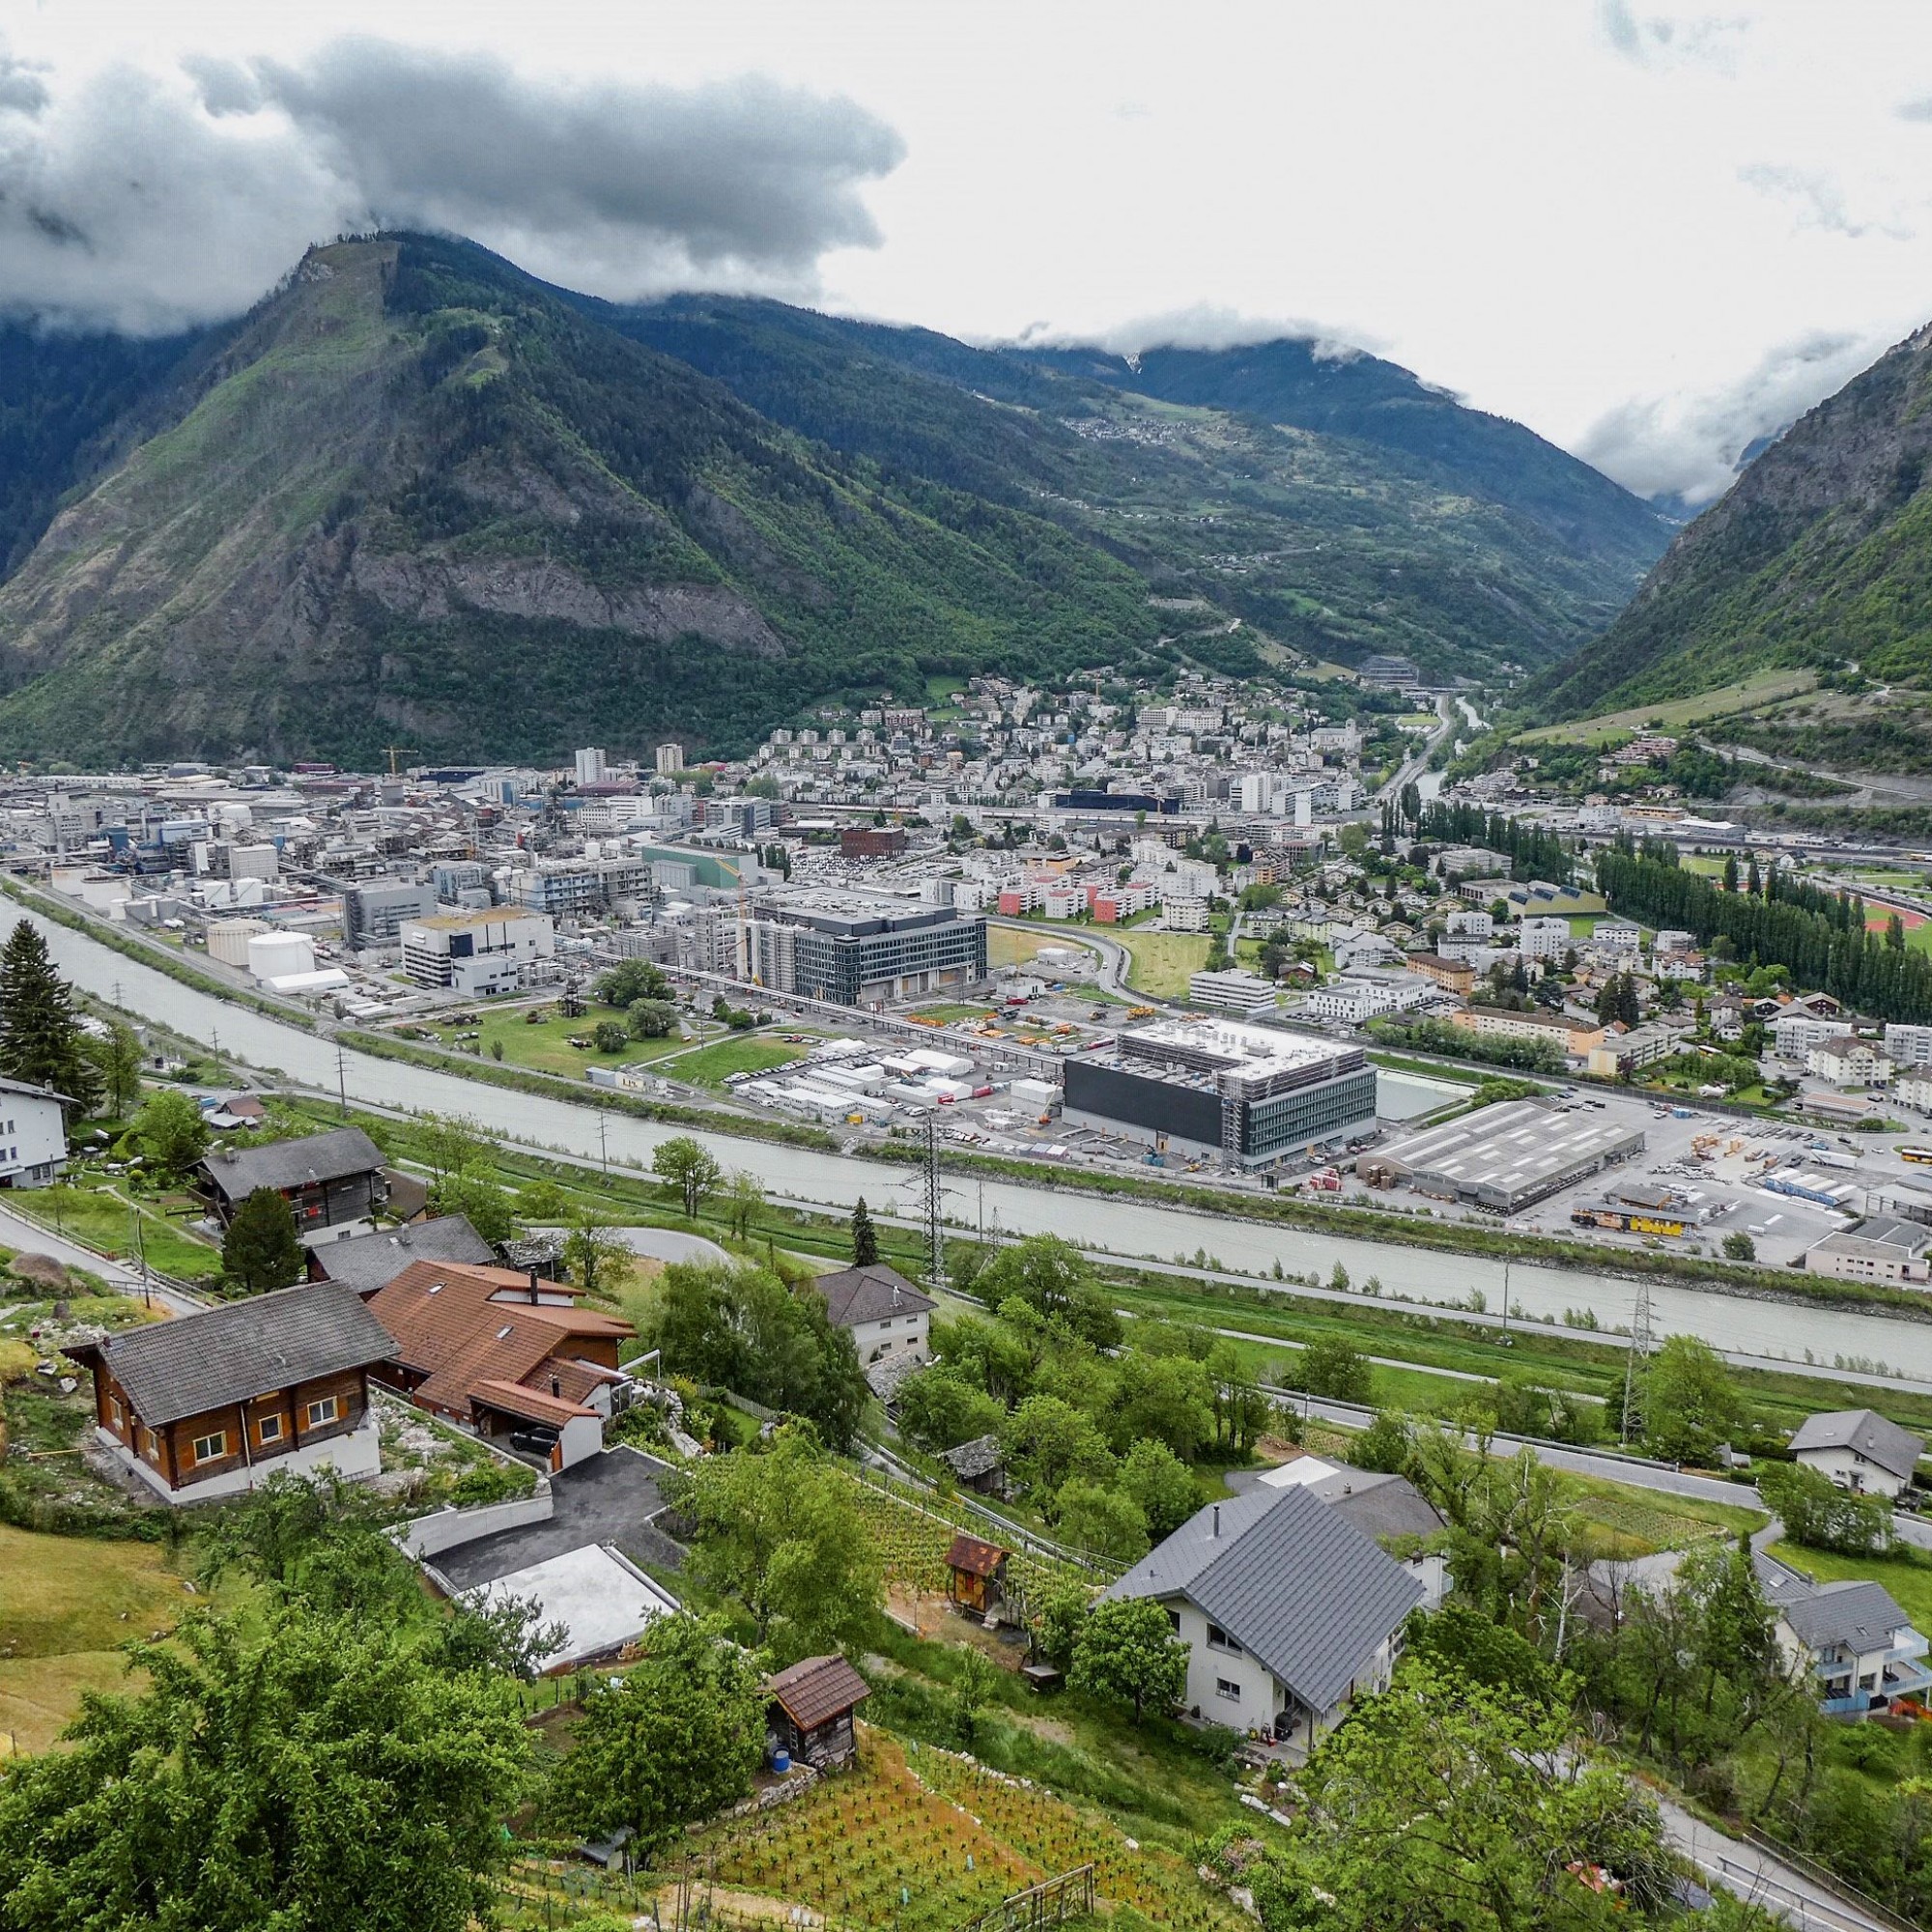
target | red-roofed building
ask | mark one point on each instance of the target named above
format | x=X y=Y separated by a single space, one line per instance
x=504 y=1352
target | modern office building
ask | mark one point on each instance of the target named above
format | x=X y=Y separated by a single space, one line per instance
x=1249 y=1095
x=570 y=888
x=373 y=912
x=859 y=949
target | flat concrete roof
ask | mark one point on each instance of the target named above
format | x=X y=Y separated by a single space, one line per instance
x=1517 y=1152
x=598 y=1594
x=1250 y=1048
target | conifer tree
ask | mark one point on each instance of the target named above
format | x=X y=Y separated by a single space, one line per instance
x=864 y=1236
x=40 y=1038
x=260 y=1250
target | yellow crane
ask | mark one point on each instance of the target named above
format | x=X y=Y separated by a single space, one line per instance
x=396 y=752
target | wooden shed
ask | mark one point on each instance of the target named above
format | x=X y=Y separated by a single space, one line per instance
x=810 y=1711
x=976 y=1574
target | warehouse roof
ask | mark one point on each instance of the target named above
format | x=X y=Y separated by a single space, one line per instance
x=1518 y=1147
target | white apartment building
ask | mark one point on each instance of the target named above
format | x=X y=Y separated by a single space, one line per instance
x=1181 y=913
x=1909 y=1045
x=1797 y=1035
x=1234 y=991
x=1544 y=938
x=1470 y=923
x=1353 y=1002
x=1849 y=1063
x=477 y=953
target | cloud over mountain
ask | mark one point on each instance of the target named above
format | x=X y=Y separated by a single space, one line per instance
x=146 y=200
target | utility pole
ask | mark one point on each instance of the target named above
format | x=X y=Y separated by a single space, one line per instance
x=1641 y=1339
x=341 y=1078
x=603 y=1145
x=935 y=1213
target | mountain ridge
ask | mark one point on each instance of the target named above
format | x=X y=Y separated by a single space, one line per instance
x=1818 y=555
x=418 y=493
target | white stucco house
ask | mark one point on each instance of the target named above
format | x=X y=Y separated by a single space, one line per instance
x=33 y=1135
x=1859 y=1450
x=1287 y=1609
x=1859 y=1647
x=888 y=1318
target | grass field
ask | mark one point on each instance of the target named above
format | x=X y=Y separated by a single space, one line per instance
x=1162 y=961
x=103 y=1221
x=1918 y=933
x=546 y=1048
x=710 y=1065
x=1009 y=946
x=66 y=1604
x=1673 y=714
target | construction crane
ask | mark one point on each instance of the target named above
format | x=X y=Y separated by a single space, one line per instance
x=396 y=752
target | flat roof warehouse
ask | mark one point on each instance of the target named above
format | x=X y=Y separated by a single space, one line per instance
x=1505 y=1158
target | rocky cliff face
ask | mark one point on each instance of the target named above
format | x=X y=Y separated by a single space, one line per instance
x=1821 y=554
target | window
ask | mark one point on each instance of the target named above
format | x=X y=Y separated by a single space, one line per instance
x=323 y=1412
x=269 y=1429
x=114 y=1410
x=210 y=1448
x=1174 y=1617
x=1219 y=1640
x=1225 y=1687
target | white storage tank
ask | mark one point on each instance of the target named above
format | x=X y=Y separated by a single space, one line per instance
x=228 y=939
x=276 y=955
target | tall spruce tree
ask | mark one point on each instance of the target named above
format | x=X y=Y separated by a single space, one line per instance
x=864 y=1236
x=260 y=1250
x=40 y=1038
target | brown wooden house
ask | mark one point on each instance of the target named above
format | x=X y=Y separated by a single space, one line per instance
x=331 y=1182
x=811 y=1712
x=976 y=1574
x=211 y=1404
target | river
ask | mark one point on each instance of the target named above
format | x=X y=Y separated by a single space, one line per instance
x=1132 y=1229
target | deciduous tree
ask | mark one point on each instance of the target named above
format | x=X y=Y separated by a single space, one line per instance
x=172 y=1132
x=1127 y=1650
x=689 y=1169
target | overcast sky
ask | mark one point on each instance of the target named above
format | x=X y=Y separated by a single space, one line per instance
x=1651 y=232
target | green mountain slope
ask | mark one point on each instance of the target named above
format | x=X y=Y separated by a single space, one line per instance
x=1819 y=554
x=1339 y=506
x=426 y=500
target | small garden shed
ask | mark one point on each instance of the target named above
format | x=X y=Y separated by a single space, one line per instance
x=976 y=1574
x=810 y=1711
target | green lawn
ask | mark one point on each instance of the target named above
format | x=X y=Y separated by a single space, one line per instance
x=103 y=1221
x=1162 y=961
x=66 y=1603
x=708 y=1066
x=1907 y=1573
x=544 y=1046
x=951 y=1012
x=1765 y=687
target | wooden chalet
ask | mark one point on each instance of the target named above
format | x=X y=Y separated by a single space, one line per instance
x=976 y=1574
x=333 y=1180
x=213 y=1403
x=811 y=1712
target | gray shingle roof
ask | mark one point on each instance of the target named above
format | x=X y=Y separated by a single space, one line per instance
x=1869 y=1435
x=1291 y=1580
x=367 y=1262
x=869 y=1294
x=245 y=1349
x=237 y=1172
x=1863 y=1616
x=1378 y=1505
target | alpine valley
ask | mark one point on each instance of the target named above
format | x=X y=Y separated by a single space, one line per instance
x=417 y=495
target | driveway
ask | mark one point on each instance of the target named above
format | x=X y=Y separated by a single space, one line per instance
x=609 y=1498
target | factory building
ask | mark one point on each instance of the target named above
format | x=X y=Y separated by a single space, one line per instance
x=1504 y=1158
x=1249 y=1095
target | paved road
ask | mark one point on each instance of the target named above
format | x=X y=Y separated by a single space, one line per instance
x=1761 y=1877
x=29 y=1237
x=1414 y=766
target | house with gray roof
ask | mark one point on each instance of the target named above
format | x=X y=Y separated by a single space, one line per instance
x=1860 y=1646
x=370 y=1262
x=886 y=1316
x=213 y=1403
x=1288 y=1610
x=334 y=1182
x=1859 y=1450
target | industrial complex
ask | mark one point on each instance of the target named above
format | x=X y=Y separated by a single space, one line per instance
x=1505 y=1158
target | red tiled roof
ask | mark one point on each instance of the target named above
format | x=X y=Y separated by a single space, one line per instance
x=450 y=1331
x=818 y=1689
x=534 y=1404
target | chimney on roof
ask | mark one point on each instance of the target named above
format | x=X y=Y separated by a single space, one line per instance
x=557 y=1385
x=1216 y=1530
x=534 y=1296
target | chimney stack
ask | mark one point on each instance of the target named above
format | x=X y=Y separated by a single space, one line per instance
x=557 y=1385
x=534 y=1296
x=1216 y=1530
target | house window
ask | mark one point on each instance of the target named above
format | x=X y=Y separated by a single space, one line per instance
x=1225 y=1687
x=1174 y=1617
x=323 y=1412
x=269 y=1429
x=210 y=1448
x=114 y=1410
x=1219 y=1640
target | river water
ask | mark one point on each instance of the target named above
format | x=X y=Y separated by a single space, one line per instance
x=1131 y=1229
